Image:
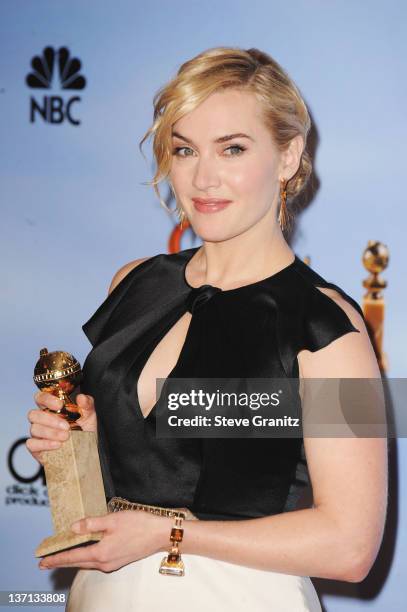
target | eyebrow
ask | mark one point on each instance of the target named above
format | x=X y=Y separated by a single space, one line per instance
x=217 y=140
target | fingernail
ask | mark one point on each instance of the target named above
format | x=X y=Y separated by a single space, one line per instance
x=64 y=425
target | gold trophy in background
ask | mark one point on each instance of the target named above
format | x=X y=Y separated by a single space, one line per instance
x=375 y=259
x=72 y=471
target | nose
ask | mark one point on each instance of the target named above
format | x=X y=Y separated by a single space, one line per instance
x=206 y=174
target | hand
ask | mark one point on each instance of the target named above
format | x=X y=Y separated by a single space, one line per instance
x=49 y=430
x=129 y=535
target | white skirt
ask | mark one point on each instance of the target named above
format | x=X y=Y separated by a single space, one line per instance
x=208 y=584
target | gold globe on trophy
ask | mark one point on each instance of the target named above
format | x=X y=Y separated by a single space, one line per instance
x=72 y=471
x=59 y=373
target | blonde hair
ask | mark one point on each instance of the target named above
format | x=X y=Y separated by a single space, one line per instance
x=284 y=111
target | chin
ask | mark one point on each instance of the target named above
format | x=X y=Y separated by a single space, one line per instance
x=211 y=234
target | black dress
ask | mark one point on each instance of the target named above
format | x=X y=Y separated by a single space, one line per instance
x=256 y=331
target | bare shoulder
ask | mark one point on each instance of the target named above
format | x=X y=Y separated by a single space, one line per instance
x=123 y=271
x=349 y=356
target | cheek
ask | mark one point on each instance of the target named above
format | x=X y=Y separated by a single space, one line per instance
x=182 y=182
x=179 y=173
x=251 y=178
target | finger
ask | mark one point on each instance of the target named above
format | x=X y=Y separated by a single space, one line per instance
x=83 y=565
x=85 y=402
x=91 y=524
x=47 y=400
x=47 y=418
x=35 y=445
x=83 y=554
x=48 y=433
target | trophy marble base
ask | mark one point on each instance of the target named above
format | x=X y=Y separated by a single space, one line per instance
x=75 y=490
x=63 y=541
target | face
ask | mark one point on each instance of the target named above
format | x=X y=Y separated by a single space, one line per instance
x=244 y=170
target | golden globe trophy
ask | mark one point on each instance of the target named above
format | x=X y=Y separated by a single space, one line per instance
x=72 y=471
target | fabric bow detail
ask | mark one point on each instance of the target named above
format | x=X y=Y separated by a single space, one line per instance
x=199 y=295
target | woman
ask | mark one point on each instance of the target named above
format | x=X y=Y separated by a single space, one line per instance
x=230 y=133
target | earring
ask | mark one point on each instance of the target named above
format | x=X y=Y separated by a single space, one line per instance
x=180 y=211
x=181 y=215
x=283 y=216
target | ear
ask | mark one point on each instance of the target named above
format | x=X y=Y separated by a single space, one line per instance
x=291 y=157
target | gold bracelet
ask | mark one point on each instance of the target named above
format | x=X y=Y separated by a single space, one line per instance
x=172 y=564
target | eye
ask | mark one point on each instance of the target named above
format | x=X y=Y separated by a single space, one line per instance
x=240 y=150
x=177 y=150
x=234 y=150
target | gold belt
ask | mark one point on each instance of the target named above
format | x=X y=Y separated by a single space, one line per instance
x=119 y=503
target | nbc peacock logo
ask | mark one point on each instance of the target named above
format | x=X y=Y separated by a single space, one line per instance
x=55 y=70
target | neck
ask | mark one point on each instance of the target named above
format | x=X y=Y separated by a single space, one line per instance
x=240 y=260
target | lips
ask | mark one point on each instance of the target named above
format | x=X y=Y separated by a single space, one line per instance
x=210 y=205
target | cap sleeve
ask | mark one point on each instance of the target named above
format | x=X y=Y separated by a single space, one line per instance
x=308 y=319
x=94 y=327
x=324 y=321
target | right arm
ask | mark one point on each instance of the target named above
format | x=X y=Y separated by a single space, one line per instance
x=48 y=431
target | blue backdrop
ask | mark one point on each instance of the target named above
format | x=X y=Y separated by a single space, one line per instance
x=74 y=207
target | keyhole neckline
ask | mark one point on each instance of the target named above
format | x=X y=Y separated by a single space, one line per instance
x=267 y=279
x=205 y=291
